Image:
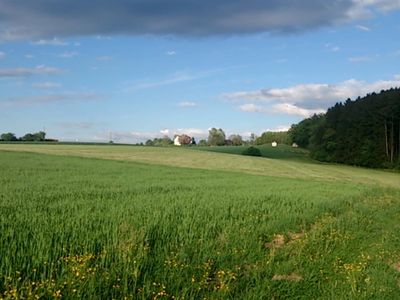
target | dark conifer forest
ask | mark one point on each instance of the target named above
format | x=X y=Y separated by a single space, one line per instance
x=363 y=132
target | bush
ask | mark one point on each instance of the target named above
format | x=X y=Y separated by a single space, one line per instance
x=252 y=151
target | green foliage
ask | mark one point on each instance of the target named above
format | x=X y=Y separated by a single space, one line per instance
x=149 y=143
x=202 y=143
x=34 y=137
x=364 y=132
x=8 y=137
x=301 y=133
x=29 y=137
x=216 y=137
x=164 y=141
x=236 y=139
x=252 y=151
x=252 y=139
x=281 y=152
x=281 y=137
x=81 y=228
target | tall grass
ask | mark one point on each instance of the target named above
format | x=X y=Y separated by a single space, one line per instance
x=95 y=229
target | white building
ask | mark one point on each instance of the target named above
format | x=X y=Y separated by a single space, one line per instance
x=176 y=141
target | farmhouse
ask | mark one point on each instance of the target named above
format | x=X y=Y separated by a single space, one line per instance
x=176 y=141
x=182 y=139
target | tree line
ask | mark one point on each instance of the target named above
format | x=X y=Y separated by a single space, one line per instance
x=29 y=137
x=218 y=137
x=363 y=132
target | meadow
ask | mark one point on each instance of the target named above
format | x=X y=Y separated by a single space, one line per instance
x=123 y=222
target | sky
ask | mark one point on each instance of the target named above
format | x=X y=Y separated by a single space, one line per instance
x=139 y=69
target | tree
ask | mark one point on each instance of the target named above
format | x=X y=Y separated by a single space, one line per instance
x=281 y=137
x=28 y=137
x=184 y=139
x=8 y=137
x=236 y=139
x=216 y=137
x=252 y=139
x=39 y=136
x=34 y=137
x=252 y=151
x=364 y=132
x=202 y=142
x=149 y=143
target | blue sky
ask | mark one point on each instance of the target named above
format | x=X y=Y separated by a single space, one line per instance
x=144 y=69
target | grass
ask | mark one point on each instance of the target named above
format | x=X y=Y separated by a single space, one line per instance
x=83 y=227
x=281 y=152
x=181 y=157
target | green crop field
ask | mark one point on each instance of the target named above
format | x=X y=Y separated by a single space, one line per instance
x=124 y=222
x=280 y=152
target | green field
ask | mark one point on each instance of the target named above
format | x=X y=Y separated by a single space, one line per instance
x=281 y=152
x=116 y=222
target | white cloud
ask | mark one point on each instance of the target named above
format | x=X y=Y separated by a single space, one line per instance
x=332 y=48
x=278 y=128
x=186 y=104
x=196 y=132
x=170 y=53
x=290 y=109
x=52 y=42
x=29 y=56
x=164 y=131
x=280 y=108
x=383 y=5
x=2 y=55
x=46 y=85
x=68 y=54
x=306 y=99
x=363 y=28
x=23 y=72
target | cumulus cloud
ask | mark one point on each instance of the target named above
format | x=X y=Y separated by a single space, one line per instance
x=48 y=18
x=24 y=72
x=306 y=99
